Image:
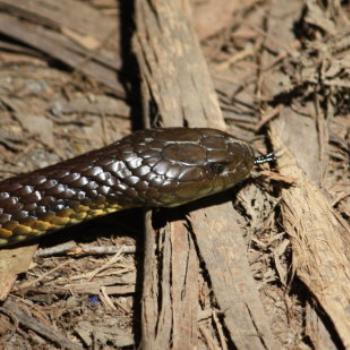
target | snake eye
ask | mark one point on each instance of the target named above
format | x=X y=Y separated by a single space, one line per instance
x=217 y=168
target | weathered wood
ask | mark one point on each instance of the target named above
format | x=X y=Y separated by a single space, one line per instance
x=13 y=261
x=319 y=237
x=177 y=91
x=75 y=44
x=75 y=15
x=12 y=309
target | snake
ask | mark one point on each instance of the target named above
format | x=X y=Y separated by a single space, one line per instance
x=164 y=167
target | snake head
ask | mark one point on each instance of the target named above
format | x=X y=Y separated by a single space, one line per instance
x=180 y=165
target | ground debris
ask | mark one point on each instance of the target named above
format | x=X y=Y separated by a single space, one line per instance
x=65 y=72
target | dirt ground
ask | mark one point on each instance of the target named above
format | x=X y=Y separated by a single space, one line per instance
x=70 y=82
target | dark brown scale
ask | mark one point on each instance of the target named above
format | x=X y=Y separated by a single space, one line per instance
x=134 y=163
x=213 y=142
x=132 y=193
x=13 y=186
x=4 y=196
x=123 y=173
x=173 y=172
x=107 y=162
x=159 y=167
x=142 y=171
x=11 y=206
x=43 y=210
x=92 y=185
x=192 y=174
x=157 y=182
x=93 y=171
x=48 y=184
x=33 y=197
x=141 y=186
x=69 y=193
x=216 y=156
x=152 y=161
x=103 y=177
x=72 y=177
x=148 y=154
x=149 y=177
x=20 y=215
x=186 y=153
x=104 y=190
x=132 y=180
x=59 y=174
x=39 y=179
x=81 y=195
x=115 y=166
x=47 y=201
x=112 y=182
x=58 y=207
x=30 y=207
x=57 y=190
x=4 y=217
x=25 y=190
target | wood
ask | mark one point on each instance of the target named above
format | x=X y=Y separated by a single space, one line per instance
x=319 y=236
x=12 y=309
x=14 y=261
x=78 y=39
x=80 y=17
x=177 y=91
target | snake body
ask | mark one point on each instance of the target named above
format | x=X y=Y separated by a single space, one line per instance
x=149 y=168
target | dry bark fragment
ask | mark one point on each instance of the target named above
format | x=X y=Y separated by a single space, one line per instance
x=13 y=261
x=319 y=238
x=12 y=309
x=300 y=138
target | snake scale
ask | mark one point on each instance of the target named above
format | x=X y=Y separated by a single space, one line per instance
x=149 y=168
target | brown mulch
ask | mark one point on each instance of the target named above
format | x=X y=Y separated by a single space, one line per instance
x=267 y=266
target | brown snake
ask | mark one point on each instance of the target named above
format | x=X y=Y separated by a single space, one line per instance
x=150 y=168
